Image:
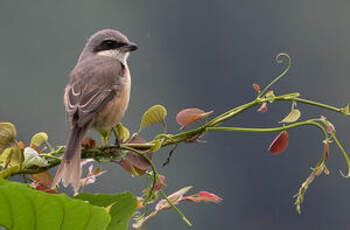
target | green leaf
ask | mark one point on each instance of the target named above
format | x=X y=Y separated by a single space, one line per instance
x=22 y=207
x=39 y=139
x=12 y=156
x=270 y=95
x=122 y=132
x=7 y=134
x=293 y=116
x=155 y=114
x=346 y=110
x=121 y=207
x=9 y=171
x=105 y=135
x=157 y=145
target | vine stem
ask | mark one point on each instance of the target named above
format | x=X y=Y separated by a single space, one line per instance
x=153 y=168
x=155 y=174
x=264 y=130
x=183 y=136
x=324 y=106
x=344 y=153
x=281 y=75
x=175 y=208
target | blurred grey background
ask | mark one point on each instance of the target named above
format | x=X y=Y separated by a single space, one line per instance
x=203 y=54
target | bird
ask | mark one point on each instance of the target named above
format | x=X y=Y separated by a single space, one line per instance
x=96 y=96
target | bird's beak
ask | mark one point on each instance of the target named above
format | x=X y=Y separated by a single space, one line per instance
x=130 y=47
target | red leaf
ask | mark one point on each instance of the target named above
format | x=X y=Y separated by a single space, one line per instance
x=256 y=87
x=330 y=127
x=188 y=116
x=45 y=189
x=203 y=197
x=133 y=163
x=279 y=144
x=160 y=184
x=42 y=178
x=36 y=148
x=88 y=143
x=263 y=108
x=326 y=150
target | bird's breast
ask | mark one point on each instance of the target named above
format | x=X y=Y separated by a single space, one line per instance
x=114 y=111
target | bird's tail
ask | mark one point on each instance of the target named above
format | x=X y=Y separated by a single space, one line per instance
x=69 y=170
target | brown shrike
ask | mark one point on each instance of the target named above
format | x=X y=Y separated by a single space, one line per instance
x=96 y=96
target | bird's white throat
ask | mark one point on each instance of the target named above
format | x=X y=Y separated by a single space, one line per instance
x=120 y=56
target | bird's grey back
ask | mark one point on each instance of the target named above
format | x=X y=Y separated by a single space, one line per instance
x=93 y=83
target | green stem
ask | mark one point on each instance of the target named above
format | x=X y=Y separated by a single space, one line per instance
x=232 y=113
x=264 y=130
x=175 y=208
x=49 y=156
x=321 y=105
x=344 y=154
x=279 y=76
x=153 y=168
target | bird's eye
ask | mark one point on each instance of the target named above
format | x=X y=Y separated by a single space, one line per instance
x=109 y=44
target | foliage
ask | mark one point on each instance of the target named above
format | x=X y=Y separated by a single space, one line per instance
x=135 y=155
x=121 y=207
x=21 y=207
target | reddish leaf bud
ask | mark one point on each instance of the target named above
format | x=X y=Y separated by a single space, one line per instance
x=256 y=87
x=263 y=108
x=160 y=183
x=330 y=127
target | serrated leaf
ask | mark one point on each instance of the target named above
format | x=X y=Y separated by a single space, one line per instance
x=155 y=114
x=22 y=207
x=121 y=207
x=7 y=134
x=39 y=139
x=293 y=116
x=122 y=132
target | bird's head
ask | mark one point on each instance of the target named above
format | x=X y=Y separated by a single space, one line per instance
x=109 y=43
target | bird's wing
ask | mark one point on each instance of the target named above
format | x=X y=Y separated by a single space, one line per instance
x=92 y=85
